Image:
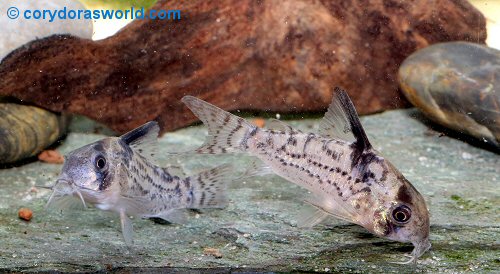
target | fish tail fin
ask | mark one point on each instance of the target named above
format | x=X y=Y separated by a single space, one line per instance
x=226 y=132
x=208 y=188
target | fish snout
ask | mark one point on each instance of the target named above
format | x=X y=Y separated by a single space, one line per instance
x=65 y=186
x=64 y=181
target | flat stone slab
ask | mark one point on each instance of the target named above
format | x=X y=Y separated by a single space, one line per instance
x=258 y=230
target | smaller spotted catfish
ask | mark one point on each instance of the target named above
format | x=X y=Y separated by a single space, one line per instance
x=347 y=176
x=117 y=174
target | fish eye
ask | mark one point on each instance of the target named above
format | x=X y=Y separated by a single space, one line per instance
x=401 y=214
x=100 y=162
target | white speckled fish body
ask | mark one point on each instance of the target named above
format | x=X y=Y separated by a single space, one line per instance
x=117 y=174
x=348 y=178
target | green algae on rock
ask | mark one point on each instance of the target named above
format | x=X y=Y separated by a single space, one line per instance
x=457 y=85
x=26 y=130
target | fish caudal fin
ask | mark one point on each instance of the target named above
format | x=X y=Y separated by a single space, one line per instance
x=209 y=187
x=226 y=132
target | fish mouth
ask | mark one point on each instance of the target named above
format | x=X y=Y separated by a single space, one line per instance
x=419 y=249
x=65 y=188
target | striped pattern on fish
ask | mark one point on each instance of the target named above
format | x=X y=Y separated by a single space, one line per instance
x=117 y=174
x=349 y=179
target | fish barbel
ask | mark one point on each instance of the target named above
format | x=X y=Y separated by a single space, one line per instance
x=347 y=176
x=117 y=174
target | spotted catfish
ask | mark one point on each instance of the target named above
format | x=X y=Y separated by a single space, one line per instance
x=116 y=174
x=349 y=179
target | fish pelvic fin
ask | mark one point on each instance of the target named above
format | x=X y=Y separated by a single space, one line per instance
x=127 y=228
x=175 y=216
x=208 y=188
x=256 y=168
x=226 y=132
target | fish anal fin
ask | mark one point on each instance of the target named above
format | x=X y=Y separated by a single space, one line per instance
x=257 y=168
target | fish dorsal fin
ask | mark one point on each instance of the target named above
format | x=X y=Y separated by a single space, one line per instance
x=341 y=121
x=143 y=139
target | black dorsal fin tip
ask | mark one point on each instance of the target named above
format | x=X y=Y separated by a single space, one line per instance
x=134 y=135
x=143 y=139
x=362 y=143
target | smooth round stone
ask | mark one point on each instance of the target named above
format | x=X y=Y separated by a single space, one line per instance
x=17 y=32
x=457 y=85
x=27 y=130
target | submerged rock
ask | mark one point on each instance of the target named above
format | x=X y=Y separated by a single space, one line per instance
x=457 y=85
x=258 y=230
x=281 y=56
x=26 y=130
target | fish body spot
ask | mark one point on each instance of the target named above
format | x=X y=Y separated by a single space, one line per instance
x=404 y=195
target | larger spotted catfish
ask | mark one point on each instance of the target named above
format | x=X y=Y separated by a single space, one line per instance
x=348 y=178
x=117 y=174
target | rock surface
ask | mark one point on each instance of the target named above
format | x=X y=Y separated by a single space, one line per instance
x=457 y=85
x=26 y=130
x=257 y=231
x=265 y=55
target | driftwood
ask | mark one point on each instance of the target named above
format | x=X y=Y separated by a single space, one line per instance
x=241 y=54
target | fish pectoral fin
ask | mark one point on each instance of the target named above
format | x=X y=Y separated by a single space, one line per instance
x=341 y=121
x=143 y=140
x=310 y=217
x=127 y=228
x=331 y=208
